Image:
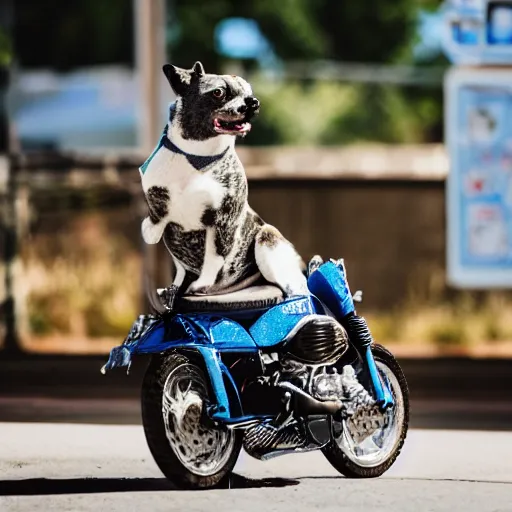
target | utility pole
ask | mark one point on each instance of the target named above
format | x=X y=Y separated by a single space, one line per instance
x=150 y=25
x=150 y=44
x=8 y=217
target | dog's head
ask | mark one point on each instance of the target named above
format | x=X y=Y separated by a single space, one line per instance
x=211 y=105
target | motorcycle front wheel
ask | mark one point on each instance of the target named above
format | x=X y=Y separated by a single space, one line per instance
x=190 y=450
x=374 y=455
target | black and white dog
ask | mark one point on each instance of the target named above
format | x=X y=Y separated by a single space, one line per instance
x=196 y=190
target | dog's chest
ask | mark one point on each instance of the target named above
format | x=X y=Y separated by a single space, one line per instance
x=191 y=191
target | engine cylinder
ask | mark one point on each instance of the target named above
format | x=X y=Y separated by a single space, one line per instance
x=321 y=340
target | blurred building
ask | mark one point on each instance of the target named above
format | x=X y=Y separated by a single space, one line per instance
x=89 y=108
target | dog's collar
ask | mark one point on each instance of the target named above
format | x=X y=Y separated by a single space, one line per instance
x=196 y=161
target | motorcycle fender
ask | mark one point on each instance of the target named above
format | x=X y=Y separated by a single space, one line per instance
x=150 y=339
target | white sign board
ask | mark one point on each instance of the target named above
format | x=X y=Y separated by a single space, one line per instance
x=478 y=126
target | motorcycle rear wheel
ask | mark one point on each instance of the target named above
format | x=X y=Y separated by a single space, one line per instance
x=377 y=453
x=190 y=450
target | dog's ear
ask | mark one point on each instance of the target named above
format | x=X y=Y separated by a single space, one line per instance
x=180 y=79
x=198 y=69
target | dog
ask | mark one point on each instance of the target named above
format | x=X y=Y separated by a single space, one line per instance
x=196 y=191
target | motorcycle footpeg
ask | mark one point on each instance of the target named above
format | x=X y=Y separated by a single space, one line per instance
x=168 y=296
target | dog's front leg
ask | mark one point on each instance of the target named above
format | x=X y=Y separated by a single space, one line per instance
x=153 y=226
x=212 y=263
x=151 y=232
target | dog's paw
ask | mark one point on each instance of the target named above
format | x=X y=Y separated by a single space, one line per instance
x=199 y=287
x=151 y=233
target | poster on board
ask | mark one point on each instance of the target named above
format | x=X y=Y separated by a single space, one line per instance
x=478 y=125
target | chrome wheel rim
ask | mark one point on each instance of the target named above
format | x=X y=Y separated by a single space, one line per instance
x=379 y=446
x=202 y=450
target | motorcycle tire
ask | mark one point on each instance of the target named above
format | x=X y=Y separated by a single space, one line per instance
x=343 y=455
x=190 y=450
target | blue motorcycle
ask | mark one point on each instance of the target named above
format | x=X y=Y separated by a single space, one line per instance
x=270 y=374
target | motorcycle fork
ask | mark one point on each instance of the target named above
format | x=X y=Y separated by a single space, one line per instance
x=381 y=391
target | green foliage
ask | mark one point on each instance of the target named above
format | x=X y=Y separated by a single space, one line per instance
x=299 y=29
x=76 y=34
x=373 y=31
x=292 y=26
x=293 y=113
x=331 y=113
x=65 y=35
x=5 y=49
x=378 y=113
x=323 y=113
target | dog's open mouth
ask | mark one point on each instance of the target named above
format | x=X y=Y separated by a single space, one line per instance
x=232 y=127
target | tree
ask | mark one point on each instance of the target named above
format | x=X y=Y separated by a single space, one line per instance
x=67 y=34
x=376 y=31
x=94 y=31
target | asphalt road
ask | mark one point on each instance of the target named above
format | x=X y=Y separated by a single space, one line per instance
x=57 y=467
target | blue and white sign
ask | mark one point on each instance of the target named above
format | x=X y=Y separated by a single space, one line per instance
x=478 y=31
x=478 y=123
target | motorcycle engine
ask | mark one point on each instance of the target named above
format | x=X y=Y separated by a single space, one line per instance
x=287 y=432
x=323 y=383
x=320 y=340
x=327 y=386
x=305 y=362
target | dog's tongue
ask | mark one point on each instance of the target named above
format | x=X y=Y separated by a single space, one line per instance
x=230 y=126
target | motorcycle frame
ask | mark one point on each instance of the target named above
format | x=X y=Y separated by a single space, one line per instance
x=212 y=334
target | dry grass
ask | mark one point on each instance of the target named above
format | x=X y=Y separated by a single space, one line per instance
x=82 y=281
x=434 y=315
x=463 y=321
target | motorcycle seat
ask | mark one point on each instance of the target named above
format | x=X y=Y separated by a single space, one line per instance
x=253 y=298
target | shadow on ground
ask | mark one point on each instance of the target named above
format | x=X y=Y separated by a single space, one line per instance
x=45 y=486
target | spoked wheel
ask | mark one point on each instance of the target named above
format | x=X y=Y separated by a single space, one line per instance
x=358 y=456
x=189 y=449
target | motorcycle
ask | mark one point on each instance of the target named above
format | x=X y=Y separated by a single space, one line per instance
x=270 y=374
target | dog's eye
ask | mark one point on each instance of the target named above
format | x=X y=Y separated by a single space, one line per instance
x=218 y=93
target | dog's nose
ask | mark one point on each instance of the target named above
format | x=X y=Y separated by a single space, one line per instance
x=252 y=102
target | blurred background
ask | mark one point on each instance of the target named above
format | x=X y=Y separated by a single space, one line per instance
x=347 y=158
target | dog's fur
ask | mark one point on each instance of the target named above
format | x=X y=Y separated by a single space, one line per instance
x=196 y=190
